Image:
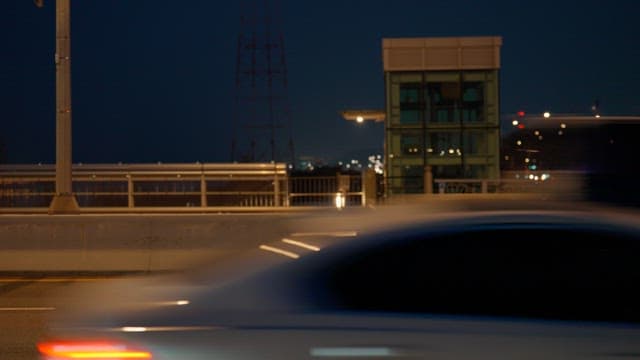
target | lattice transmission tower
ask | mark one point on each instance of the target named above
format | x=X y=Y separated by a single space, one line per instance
x=262 y=118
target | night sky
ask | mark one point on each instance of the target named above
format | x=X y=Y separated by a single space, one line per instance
x=154 y=80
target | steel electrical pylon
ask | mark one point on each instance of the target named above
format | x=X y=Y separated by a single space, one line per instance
x=262 y=120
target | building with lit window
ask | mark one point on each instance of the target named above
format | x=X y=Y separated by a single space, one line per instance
x=442 y=110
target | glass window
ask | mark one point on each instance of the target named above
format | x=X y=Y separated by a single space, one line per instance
x=475 y=143
x=411 y=145
x=413 y=179
x=446 y=143
x=411 y=108
x=473 y=102
x=447 y=172
x=409 y=117
x=442 y=101
x=409 y=94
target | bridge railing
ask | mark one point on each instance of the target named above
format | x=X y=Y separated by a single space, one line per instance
x=149 y=185
x=177 y=185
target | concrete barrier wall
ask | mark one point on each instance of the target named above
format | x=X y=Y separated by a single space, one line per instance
x=130 y=242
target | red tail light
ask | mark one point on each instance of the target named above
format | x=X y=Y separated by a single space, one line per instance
x=104 y=350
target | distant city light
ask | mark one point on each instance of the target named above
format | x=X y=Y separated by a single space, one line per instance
x=546 y=115
x=560 y=132
x=360 y=119
x=536 y=133
x=515 y=122
x=519 y=142
x=527 y=160
x=597 y=116
x=521 y=113
x=340 y=201
x=563 y=125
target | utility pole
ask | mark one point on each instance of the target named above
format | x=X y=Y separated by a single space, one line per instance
x=64 y=202
x=262 y=114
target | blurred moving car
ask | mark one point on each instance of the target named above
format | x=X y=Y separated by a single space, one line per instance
x=518 y=284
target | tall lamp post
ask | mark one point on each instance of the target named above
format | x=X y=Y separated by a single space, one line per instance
x=370 y=181
x=64 y=201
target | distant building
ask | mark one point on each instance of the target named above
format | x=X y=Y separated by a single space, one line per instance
x=442 y=110
x=599 y=151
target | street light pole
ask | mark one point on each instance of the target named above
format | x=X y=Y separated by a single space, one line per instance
x=63 y=201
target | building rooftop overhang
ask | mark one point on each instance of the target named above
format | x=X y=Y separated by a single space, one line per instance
x=441 y=54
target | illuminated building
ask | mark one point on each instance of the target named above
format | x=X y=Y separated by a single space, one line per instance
x=442 y=110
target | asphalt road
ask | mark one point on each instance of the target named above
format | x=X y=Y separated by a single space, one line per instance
x=27 y=305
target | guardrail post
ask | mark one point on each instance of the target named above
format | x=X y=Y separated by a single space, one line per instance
x=203 y=191
x=276 y=191
x=130 y=201
x=484 y=186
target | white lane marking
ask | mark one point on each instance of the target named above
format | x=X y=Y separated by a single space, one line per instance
x=42 y=308
x=301 y=244
x=279 y=251
x=327 y=233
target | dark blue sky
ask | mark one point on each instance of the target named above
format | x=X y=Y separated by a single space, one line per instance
x=154 y=80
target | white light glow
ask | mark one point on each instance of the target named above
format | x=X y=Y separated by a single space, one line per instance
x=340 y=200
x=360 y=119
x=546 y=115
x=515 y=123
x=134 y=329
x=352 y=352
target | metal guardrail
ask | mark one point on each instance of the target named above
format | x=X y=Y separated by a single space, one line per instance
x=177 y=185
x=555 y=182
x=148 y=185
x=326 y=190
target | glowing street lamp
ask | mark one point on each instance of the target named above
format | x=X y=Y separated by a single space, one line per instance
x=361 y=116
x=546 y=114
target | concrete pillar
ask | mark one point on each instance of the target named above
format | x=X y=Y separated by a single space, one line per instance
x=370 y=184
x=63 y=201
x=428 y=180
